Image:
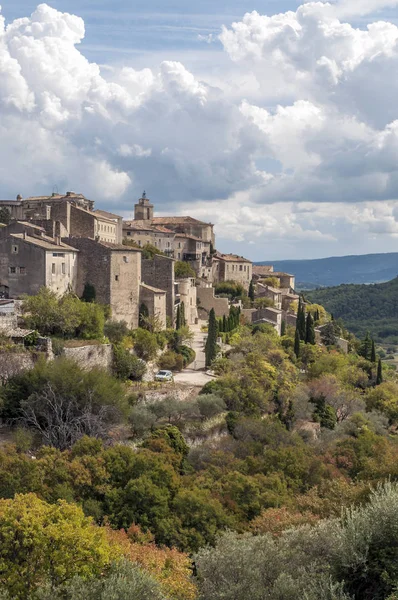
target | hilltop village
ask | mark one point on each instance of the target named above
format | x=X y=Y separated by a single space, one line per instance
x=63 y=243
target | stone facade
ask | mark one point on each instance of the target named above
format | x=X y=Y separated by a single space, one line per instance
x=158 y=272
x=155 y=301
x=267 y=291
x=230 y=267
x=207 y=300
x=115 y=272
x=187 y=294
x=29 y=262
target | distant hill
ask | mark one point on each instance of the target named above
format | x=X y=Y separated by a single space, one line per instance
x=363 y=307
x=368 y=268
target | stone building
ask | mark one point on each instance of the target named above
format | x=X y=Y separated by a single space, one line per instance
x=143 y=233
x=267 y=291
x=158 y=272
x=187 y=296
x=30 y=260
x=208 y=300
x=155 y=301
x=115 y=272
x=231 y=267
x=66 y=215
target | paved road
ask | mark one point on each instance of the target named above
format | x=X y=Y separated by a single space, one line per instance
x=195 y=374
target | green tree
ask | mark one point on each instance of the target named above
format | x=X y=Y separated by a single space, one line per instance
x=89 y=293
x=251 y=291
x=283 y=328
x=301 y=322
x=116 y=331
x=145 y=344
x=144 y=314
x=379 y=378
x=126 y=365
x=183 y=269
x=44 y=542
x=373 y=353
x=211 y=342
x=310 y=331
x=297 y=343
x=366 y=347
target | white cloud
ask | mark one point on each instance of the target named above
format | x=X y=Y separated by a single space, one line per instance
x=303 y=123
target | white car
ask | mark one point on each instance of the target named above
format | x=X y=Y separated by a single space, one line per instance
x=164 y=376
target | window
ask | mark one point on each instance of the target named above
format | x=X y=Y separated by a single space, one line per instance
x=63 y=268
x=53 y=269
x=179 y=244
x=12 y=270
x=59 y=254
x=22 y=270
x=129 y=233
x=179 y=255
x=245 y=268
x=125 y=259
x=116 y=277
x=240 y=268
x=168 y=244
x=14 y=249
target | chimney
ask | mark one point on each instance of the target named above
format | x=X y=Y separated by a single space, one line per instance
x=58 y=240
x=19 y=197
x=69 y=194
x=24 y=234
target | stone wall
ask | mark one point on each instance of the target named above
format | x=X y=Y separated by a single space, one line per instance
x=88 y=357
x=188 y=295
x=13 y=363
x=155 y=301
x=207 y=301
x=159 y=273
x=22 y=267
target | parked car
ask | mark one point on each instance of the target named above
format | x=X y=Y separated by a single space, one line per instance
x=164 y=376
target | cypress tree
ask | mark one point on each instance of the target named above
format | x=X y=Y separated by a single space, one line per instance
x=379 y=378
x=283 y=328
x=220 y=325
x=297 y=343
x=211 y=342
x=251 y=291
x=366 y=347
x=310 y=331
x=373 y=352
x=301 y=324
x=224 y=323
x=182 y=314
x=178 y=318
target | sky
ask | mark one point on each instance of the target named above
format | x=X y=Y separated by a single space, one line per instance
x=274 y=119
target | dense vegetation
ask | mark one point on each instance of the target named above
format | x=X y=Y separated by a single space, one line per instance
x=248 y=478
x=364 y=307
x=367 y=268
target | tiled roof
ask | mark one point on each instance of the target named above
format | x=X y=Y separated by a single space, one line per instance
x=145 y=226
x=105 y=213
x=281 y=274
x=152 y=289
x=31 y=225
x=231 y=258
x=177 y=221
x=260 y=269
x=43 y=242
x=11 y=202
x=93 y=213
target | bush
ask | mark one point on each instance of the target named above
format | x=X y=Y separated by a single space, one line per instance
x=182 y=270
x=172 y=361
x=115 y=331
x=127 y=365
x=145 y=344
x=187 y=353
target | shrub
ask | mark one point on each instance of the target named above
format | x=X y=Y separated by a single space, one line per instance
x=115 y=331
x=127 y=365
x=187 y=353
x=145 y=344
x=172 y=361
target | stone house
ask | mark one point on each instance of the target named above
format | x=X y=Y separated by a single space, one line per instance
x=115 y=272
x=206 y=300
x=267 y=291
x=155 y=301
x=158 y=272
x=262 y=271
x=143 y=233
x=31 y=260
x=231 y=267
x=268 y=315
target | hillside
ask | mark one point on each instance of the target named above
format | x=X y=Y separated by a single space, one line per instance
x=368 y=268
x=363 y=307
